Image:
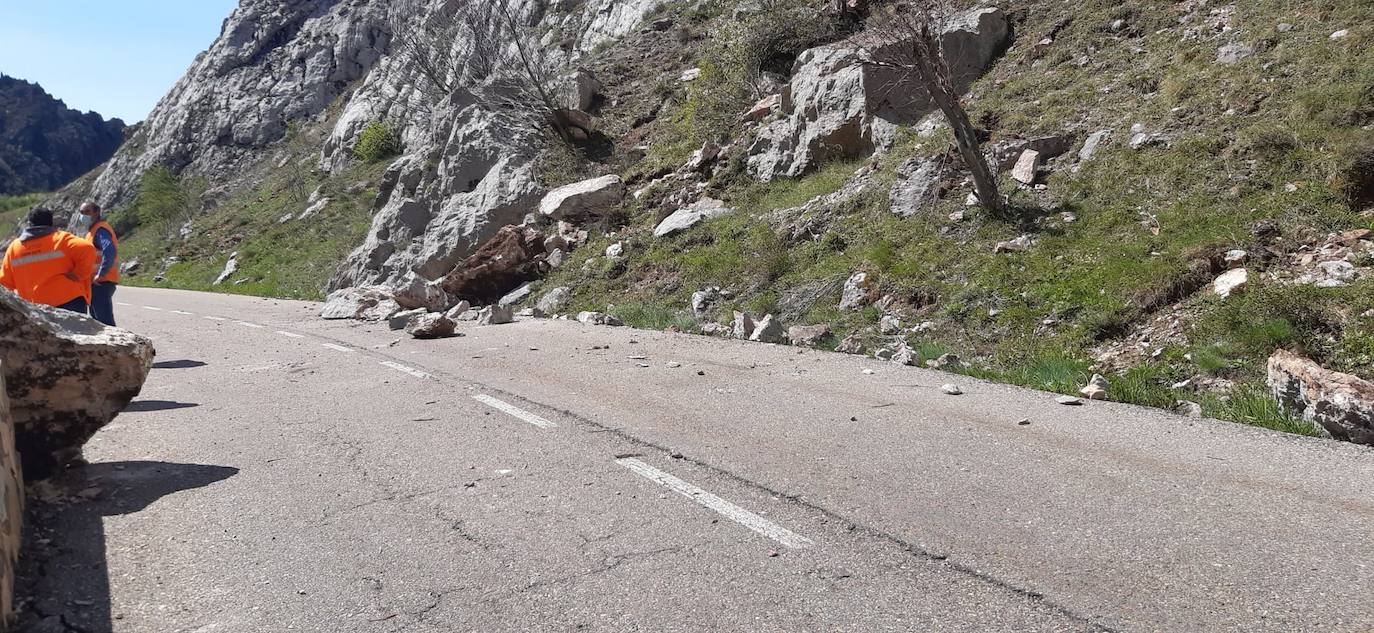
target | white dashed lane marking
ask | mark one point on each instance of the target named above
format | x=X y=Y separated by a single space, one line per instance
x=289 y=334
x=337 y=348
x=153 y=308
x=514 y=411
x=409 y=370
x=183 y=312
x=213 y=318
x=726 y=509
x=248 y=324
x=121 y=303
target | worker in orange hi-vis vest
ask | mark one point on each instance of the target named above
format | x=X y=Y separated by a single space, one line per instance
x=107 y=276
x=49 y=266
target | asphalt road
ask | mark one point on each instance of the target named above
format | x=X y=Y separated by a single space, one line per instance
x=282 y=473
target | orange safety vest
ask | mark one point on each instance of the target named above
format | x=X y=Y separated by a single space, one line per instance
x=112 y=275
x=37 y=269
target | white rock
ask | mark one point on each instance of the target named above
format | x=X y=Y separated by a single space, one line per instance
x=691 y=74
x=768 y=330
x=687 y=217
x=856 y=291
x=554 y=300
x=889 y=324
x=1069 y=401
x=1027 y=167
x=1340 y=34
x=952 y=390
x=1236 y=257
x=1020 y=244
x=616 y=250
x=588 y=198
x=495 y=315
x=1230 y=282
x=516 y=296
x=230 y=268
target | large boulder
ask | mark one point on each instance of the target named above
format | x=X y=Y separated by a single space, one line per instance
x=366 y=303
x=585 y=199
x=432 y=325
x=1340 y=404
x=839 y=107
x=67 y=376
x=512 y=257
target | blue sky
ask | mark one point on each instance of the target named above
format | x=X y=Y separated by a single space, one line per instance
x=116 y=57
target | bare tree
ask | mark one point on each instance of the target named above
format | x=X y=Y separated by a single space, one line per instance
x=482 y=48
x=907 y=37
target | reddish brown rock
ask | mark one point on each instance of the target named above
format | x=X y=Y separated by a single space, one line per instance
x=511 y=257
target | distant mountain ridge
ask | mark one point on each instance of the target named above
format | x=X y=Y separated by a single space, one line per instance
x=44 y=144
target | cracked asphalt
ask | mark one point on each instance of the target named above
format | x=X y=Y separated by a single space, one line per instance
x=266 y=482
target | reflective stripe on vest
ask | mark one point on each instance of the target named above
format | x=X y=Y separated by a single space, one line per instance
x=41 y=257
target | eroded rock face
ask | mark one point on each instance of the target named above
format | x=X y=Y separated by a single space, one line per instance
x=67 y=376
x=838 y=107
x=1340 y=404
x=512 y=257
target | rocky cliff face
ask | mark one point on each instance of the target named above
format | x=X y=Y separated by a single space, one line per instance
x=278 y=64
x=44 y=144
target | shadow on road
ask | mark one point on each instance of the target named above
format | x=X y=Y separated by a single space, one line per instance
x=143 y=406
x=63 y=571
x=178 y=364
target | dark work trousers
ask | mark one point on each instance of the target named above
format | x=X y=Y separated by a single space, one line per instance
x=75 y=305
x=102 y=302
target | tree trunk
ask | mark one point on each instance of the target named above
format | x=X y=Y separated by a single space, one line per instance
x=935 y=75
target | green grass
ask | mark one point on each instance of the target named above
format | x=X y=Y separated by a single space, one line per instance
x=1292 y=113
x=13 y=210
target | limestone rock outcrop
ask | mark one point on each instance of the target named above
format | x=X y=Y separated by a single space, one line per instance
x=839 y=107
x=1340 y=404
x=67 y=376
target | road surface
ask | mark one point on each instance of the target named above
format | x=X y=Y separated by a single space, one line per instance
x=283 y=473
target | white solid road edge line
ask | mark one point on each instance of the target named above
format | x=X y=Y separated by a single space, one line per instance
x=289 y=334
x=726 y=509
x=514 y=411
x=409 y=370
x=337 y=348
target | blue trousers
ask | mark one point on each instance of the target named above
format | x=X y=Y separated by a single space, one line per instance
x=102 y=302
x=77 y=305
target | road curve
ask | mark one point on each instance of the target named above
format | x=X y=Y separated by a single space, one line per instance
x=283 y=473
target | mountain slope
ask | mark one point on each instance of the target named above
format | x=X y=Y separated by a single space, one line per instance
x=44 y=144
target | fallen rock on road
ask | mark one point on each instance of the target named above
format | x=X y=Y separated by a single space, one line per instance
x=67 y=376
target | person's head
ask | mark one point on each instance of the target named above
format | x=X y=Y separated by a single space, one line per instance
x=90 y=209
x=40 y=217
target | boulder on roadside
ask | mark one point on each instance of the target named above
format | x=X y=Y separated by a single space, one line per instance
x=858 y=290
x=400 y=320
x=456 y=312
x=742 y=326
x=807 y=335
x=364 y=303
x=554 y=300
x=415 y=291
x=67 y=376
x=496 y=315
x=512 y=257
x=1027 y=167
x=1340 y=404
x=516 y=296
x=583 y=200
x=687 y=217
x=768 y=330
x=430 y=326
x=598 y=318
x=904 y=355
